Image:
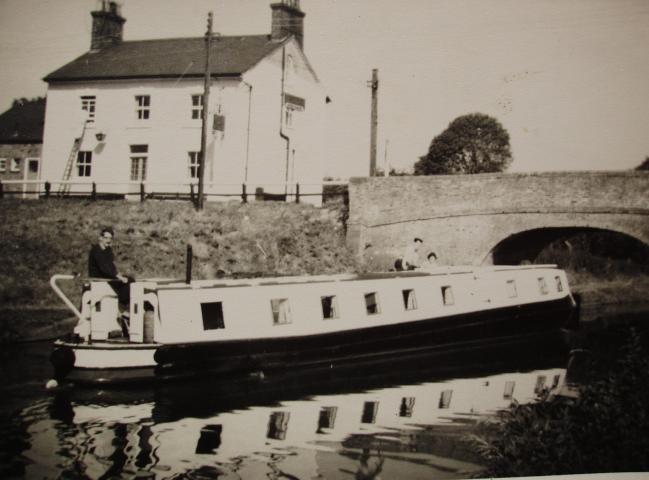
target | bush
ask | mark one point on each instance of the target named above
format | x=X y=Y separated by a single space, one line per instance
x=600 y=253
x=604 y=430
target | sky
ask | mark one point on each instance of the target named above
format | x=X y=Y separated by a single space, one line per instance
x=568 y=79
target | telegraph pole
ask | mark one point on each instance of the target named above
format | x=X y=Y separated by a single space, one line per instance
x=374 y=85
x=206 y=102
x=386 y=173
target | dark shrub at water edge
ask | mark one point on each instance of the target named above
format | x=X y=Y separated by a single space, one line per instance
x=604 y=430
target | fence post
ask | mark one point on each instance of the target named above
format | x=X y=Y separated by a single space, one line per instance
x=142 y=195
x=93 y=195
x=297 y=193
x=48 y=188
x=191 y=193
x=2 y=190
x=244 y=195
x=188 y=265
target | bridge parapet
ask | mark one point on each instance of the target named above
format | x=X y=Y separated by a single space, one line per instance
x=387 y=212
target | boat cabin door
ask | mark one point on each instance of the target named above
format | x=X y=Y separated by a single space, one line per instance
x=103 y=310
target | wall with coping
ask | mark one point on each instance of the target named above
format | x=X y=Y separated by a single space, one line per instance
x=462 y=217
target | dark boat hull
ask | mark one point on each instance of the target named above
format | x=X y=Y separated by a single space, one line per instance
x=455 y=332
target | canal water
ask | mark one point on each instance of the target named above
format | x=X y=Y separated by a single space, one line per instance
x=406 y=418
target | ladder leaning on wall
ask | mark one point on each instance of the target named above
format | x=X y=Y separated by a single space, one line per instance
x=64 y=186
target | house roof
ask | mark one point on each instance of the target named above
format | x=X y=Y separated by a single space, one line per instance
x=23 y=122
x=168 y=58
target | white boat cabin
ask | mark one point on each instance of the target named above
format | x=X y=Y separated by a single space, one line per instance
x=171 y=311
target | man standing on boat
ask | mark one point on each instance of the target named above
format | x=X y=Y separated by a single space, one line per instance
x=101 y=264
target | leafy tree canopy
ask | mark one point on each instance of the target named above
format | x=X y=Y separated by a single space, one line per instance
x=644 y=165
x=22 y=101
x=473 y=143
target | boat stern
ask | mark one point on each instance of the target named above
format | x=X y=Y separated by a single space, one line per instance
x=63 y=360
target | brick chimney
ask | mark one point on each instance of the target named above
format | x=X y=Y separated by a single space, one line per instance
x=287 y=20
x=107 y=25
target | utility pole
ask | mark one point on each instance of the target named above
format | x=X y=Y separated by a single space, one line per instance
x=206 y=103
x=374 y=85
x=386 y=173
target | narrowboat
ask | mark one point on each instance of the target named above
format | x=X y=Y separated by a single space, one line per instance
x=178 y=329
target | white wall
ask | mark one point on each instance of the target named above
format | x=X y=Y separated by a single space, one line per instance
x=251 y=139
x=268 y=159
x=170 y=132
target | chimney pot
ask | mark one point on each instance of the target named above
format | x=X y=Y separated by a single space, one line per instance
x=107 y=25
x=287 y=19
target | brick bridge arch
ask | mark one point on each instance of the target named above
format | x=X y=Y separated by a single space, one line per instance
x=492 y=218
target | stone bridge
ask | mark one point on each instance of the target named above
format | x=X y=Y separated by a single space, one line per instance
x=502 y=218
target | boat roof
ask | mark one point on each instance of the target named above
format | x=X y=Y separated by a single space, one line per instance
x=344 y=277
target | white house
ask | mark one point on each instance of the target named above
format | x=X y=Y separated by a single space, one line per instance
x=131 y=111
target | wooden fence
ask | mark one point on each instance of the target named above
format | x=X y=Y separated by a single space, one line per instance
x=297 y=193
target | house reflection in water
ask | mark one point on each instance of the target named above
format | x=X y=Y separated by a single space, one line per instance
x=407 y=404
x=277 y=425
x=369 y=412
x=101 y=440
x=509 y=390
x=327 y=418
x=210 y=439
x=445 y=399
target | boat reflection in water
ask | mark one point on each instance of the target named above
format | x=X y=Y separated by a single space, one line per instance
x=406 y=418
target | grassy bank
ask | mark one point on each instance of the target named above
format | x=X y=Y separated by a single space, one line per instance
x=39 y=239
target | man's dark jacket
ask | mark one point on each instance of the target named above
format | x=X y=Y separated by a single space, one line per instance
x=101 y=263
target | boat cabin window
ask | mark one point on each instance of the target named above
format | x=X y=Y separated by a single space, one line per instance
x=511 y=289
x=445 y=399
x=557 y=280
x=543 y=286
x=509 y=390
x=372 y=303
x=212 y=313
x=281 y=311
x=409 y=299
x=447 y=295
x=329 y=307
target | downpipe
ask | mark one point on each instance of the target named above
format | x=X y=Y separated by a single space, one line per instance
x=282 y=134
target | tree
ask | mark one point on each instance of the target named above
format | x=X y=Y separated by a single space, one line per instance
x=473 y=143
x=644 y=165
x=18 y=102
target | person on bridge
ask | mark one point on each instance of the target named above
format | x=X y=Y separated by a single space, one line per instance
x=410 y=259
x=431 y=262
